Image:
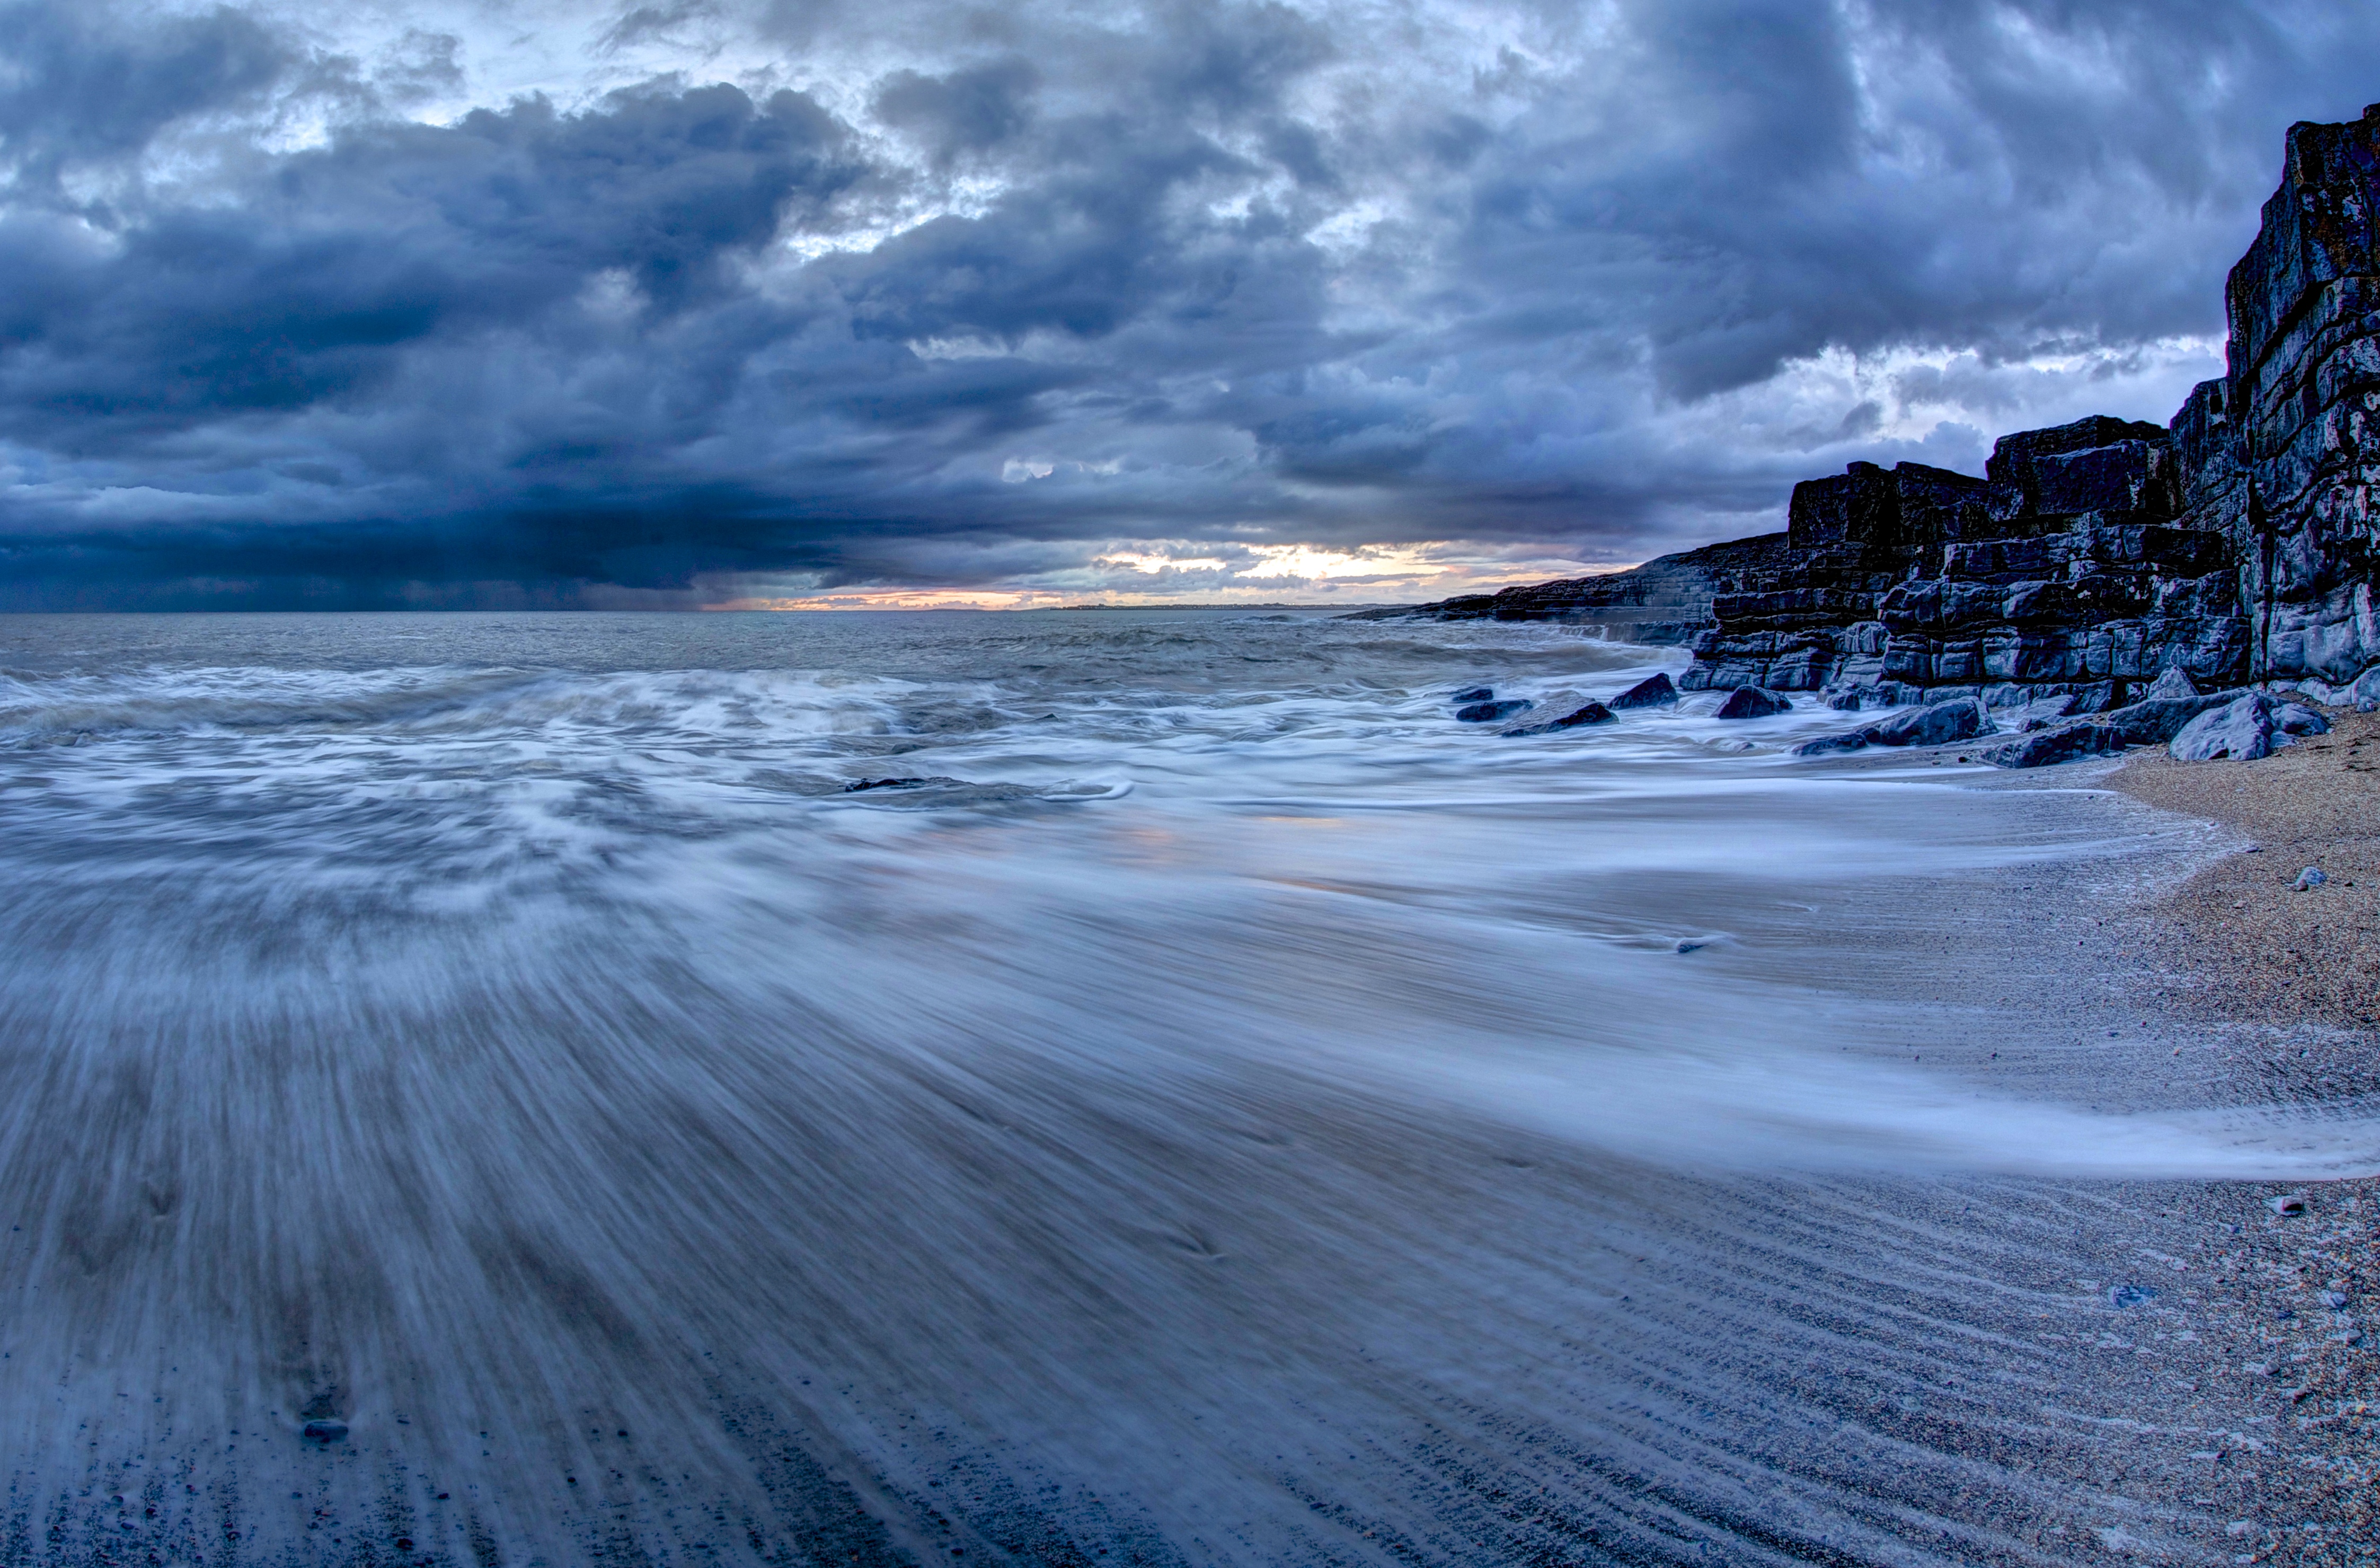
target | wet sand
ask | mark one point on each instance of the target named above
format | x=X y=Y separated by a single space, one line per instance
x=1423 y=1151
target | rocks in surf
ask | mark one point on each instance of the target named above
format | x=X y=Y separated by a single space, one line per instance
x=1585 y=713
x=1754 y=703
x=1939 y=723
x=1655 y=690
x=1489 y=713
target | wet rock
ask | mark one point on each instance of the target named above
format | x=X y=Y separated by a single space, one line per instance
x=2309 y=879
x=1653 y=691
x=1585 y=713
x=1939 y=723
x=1828 y=745
x=2062 y=743
x=2242 y=729
x=2120 y=1297
x=2038 y=714
x=856 y=786
x=2155 y=720
x=1489 y=713
x=325 y=1430
x=2174 y=682
x=1754 y=703
x=1475 y=694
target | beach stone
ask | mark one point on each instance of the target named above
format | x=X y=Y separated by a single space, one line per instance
x=2309 y=879
x=1475 y=694
x=1585 y=713
x=1754 y=703
x=2174 y=682
x=2120 y=1297
x=1489 y=713
x=2294 y=719
x=1654 y=691
x=2288 y=1203
x=856 y=786
x=325 y=1430
x=2335 y=1299
x=2242 y=729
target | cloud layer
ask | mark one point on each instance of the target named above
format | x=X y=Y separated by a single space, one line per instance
x=701 y=303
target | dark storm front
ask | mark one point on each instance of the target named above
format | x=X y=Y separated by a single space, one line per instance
x=484 y=1088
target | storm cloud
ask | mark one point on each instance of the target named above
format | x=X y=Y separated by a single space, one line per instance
x=700 y=304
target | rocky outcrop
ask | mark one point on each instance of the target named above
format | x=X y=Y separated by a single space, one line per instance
x=2066 y=569
x=1664 y=601
x=2093 y=560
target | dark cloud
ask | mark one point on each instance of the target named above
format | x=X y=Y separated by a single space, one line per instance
x=81 y=84
x=967 y=111
x=1001 y=290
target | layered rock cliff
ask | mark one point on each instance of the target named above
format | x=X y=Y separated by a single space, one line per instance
x=2238 y=545
x=2067 y=570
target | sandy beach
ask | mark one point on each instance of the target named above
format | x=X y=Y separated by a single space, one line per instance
x=2282 y=986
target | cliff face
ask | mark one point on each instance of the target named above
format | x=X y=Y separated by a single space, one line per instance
x=2066 y=569
x=2281 y=455
x=2237 y=544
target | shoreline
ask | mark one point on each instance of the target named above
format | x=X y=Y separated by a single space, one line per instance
x=2281 y=983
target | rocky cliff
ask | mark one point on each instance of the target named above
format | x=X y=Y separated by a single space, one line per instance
x=2067 y=570
x=2238 y=545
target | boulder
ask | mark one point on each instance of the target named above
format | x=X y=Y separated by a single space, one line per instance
x=1586 y=714
x=1489 y=713
x=2174 y=682
x=2062 y=743
x=1473 y=694
x=2158 y=719
x=1939 y=723
x=1754 y=703
x=1828 y=745
x=1653 y=691
x=2038 y=714
x=2242 y=731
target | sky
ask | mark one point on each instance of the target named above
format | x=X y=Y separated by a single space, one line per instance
x=840 y=303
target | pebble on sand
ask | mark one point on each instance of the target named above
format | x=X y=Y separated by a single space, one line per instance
x=2312 y=877
x=2288 y=1203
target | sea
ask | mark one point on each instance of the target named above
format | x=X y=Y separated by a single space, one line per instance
x=1070 y=1088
